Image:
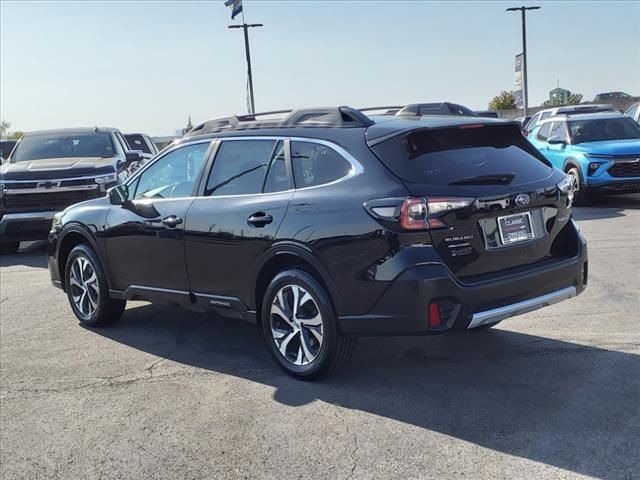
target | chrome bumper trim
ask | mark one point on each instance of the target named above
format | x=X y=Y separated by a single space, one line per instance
x=29 y=216
x=497 y=314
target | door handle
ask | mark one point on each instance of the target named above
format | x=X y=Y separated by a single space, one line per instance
x=172 y=221
x=259 y=219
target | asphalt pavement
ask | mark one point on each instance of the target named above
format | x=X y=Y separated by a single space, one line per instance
x=170 y=394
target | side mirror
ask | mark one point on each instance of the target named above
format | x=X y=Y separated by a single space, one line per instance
x=118 y=194
x=134 y=156
x=556 y=140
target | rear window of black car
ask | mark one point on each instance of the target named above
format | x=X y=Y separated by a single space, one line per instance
x=444 y=156
x=64 y=145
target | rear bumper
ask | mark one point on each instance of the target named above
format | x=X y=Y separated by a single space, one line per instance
x=404 y=308
x=25 y=226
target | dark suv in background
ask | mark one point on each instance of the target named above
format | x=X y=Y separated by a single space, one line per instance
x=51 y=169
x=327 y=224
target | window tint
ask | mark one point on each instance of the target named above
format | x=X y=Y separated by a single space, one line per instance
x=174 y=174
x=543 y=133
x=136 y=142
x=558 y=130
x=240 y=167
x=277 y=178
x=314 y=164
x=446 y=156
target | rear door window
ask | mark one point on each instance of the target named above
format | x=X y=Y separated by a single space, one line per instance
x=277 y=178
x=316 y=164
x=446 y=156
x=240 y=167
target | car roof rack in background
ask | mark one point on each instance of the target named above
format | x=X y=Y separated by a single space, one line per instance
x=339 y=117
x=588 y=108
x=387 y=110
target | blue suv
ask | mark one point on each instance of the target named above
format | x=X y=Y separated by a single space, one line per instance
x=601 y=151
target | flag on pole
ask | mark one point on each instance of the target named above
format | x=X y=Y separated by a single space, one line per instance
x=236 y=7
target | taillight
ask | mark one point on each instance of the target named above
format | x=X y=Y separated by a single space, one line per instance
x=414 y=213
x=422 y=213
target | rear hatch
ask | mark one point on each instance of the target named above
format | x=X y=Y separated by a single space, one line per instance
x=493 y=201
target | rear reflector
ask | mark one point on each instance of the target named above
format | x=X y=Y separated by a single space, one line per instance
x=434 y=315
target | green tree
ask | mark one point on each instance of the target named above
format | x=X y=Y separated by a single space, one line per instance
x=506 y=100
x=4 y=128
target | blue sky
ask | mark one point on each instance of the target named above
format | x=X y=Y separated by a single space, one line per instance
x=144 y=66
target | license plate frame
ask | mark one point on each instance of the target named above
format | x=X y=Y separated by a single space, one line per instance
x=518 y=235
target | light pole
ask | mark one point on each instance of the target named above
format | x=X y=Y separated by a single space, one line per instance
x=523 y=11
x=246 y=27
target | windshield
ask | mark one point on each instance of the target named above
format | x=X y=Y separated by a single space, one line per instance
x=603 y=129
x=64 y=145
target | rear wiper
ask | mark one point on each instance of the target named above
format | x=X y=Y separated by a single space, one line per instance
x=495 y=179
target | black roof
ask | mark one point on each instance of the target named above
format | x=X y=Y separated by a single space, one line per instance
x=327 y=122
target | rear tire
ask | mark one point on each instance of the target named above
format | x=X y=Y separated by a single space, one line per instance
x=7 y=248
x=300 y=327
x=87 y=291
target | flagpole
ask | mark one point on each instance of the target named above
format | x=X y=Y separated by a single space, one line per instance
x=245 y=26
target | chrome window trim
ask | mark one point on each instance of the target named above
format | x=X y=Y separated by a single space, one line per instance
x=356 y=166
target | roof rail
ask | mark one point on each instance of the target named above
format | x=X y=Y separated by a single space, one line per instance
x=389 y=109
x=340 y=117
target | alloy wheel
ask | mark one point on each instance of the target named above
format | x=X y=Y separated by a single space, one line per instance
x=84 y=286
x=296 y=325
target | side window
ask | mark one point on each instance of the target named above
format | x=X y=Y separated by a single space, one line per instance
x=543 y=133
x=277 y=178
x=558 y=130
x=632 y=111
x=533 y=122
x=240 y=167
x=174 y=174
x=314 y=164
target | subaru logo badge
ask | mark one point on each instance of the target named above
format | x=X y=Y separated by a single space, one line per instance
x=522 y=200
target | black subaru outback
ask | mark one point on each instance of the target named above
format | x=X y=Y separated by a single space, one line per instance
x=327 y=224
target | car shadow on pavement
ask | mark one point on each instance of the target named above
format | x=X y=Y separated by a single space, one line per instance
x=31 y=254
x=563 y=404
x=607 y=207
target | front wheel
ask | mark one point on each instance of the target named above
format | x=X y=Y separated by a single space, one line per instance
x=580 y=195
x=300 y=326
x=87 y=290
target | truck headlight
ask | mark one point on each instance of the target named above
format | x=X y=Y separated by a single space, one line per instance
x=109 y=178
